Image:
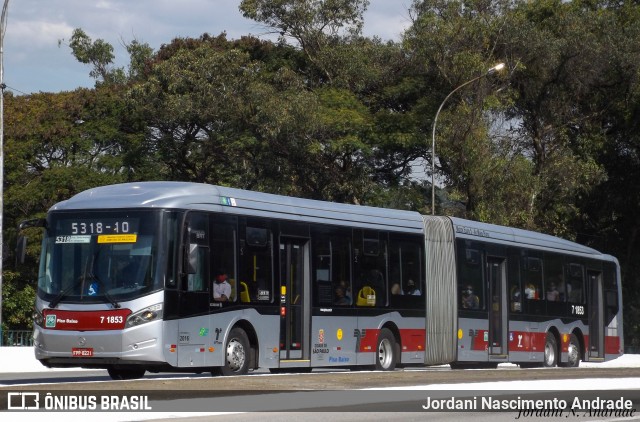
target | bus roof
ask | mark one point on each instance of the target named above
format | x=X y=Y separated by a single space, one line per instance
x=475 y=230
x=198 y=196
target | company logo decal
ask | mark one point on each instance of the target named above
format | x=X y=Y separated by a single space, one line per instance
x=50 y=321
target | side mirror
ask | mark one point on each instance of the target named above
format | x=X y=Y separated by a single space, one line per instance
x=36 y=222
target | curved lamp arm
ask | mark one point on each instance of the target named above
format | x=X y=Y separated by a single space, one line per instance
x=491 y=71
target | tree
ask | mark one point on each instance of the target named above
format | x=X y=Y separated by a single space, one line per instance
x=56 y=146
x=317 y=26
x=99 y=54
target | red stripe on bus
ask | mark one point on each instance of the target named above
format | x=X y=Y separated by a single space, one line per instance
x=369 y=340
x=114 y=319
x=412 y=339
x=612 y=345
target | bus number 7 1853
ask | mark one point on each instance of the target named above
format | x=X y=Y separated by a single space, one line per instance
x=577 y=310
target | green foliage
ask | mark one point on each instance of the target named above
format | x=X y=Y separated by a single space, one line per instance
x=17 y=302
x=321 y=28
x=99 y=54
x=305 y=20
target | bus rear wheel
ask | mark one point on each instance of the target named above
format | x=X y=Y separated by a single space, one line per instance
x=573 y=353
x=550 y=351
x=125 y=374
x=236 y=354
x=387 y=352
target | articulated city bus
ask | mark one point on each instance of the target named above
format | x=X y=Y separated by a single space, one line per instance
x=130 y=277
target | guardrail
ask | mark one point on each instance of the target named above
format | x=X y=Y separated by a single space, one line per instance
x=17 y=338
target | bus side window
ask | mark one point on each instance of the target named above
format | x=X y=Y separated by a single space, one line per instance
x=198 y=282
x=575 y=282
x=256 y=263
x=371 y=255
x=405 y=270
x=471 y=280
x=533 y=277
x=199 y=253
x=610 y=288
x=224 y=251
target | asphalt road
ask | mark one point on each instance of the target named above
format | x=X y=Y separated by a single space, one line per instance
x=335 y=396
x=321 y=380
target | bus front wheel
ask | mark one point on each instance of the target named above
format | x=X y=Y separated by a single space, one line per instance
x=550 y=351
x=236 y=354
x=387 y=352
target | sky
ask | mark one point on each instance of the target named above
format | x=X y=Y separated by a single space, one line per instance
x=36 y=61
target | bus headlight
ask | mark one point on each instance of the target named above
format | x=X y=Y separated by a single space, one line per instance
x=37 y=318
x=149 y=314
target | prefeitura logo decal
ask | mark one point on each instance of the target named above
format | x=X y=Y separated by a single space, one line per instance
x=50 y=321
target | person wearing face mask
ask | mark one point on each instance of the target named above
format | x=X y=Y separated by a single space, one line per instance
x=469 y=299
x=221 y=287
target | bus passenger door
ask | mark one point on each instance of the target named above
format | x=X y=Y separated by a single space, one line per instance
x=194 y=293
x=294 y=300
x=496 y=274
x=596 y=317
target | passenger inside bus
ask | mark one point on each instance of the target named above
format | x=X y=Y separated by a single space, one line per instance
x=469 y=299
x=516 y=299
x=396 y=290
x=412 y=289
x=341 y=299
x=552 y=294
x=347 y=291
x=221 y=287
x=530 y=291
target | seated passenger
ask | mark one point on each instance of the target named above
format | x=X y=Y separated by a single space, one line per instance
x=552 y=294
x=395 y=289
x=341 y=299
x=221 y=287
x=347 y=291
x=469 y=299
x=530 y=291
x=412 y=289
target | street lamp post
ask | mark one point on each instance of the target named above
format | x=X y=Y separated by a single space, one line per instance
x=3 y=21
x=491 y=71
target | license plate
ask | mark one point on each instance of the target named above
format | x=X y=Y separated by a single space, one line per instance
x=78 y=352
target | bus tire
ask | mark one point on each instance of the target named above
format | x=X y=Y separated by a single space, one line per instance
x=386 y=351
x=550 y=351
x=573 y=353
x=125 y=374
x=236 y=353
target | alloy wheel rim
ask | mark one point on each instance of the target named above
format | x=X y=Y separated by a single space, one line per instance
x=235 y=355
x=385 y=353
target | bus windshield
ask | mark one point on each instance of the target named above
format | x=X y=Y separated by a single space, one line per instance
x=94 y=257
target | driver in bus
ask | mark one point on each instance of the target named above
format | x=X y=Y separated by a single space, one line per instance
x=221 y=287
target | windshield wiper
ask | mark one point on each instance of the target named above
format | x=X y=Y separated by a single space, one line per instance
x=63 y=293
